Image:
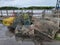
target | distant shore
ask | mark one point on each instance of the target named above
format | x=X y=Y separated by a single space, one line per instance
x=32 y=7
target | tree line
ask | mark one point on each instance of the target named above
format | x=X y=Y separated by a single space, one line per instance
x=32 y=7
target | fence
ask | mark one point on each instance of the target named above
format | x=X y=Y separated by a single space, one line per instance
x=10 y=12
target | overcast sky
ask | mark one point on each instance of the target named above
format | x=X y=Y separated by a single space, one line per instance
x=26 y=3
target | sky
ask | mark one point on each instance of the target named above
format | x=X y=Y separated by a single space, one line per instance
x=27 y=3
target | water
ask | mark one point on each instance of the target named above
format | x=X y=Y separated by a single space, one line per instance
x=10 y=12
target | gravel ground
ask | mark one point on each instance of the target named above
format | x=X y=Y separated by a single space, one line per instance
x=6 y=38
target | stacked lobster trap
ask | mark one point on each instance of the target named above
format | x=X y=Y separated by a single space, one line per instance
x=36 y=29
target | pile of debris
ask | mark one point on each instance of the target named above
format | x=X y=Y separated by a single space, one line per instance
x=39 y=30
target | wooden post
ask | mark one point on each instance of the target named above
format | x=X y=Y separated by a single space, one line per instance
x=1 y=13
x=13 y=11
x=32 y=12
x=7 y=13
x=43 y=14
x=22 y=11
